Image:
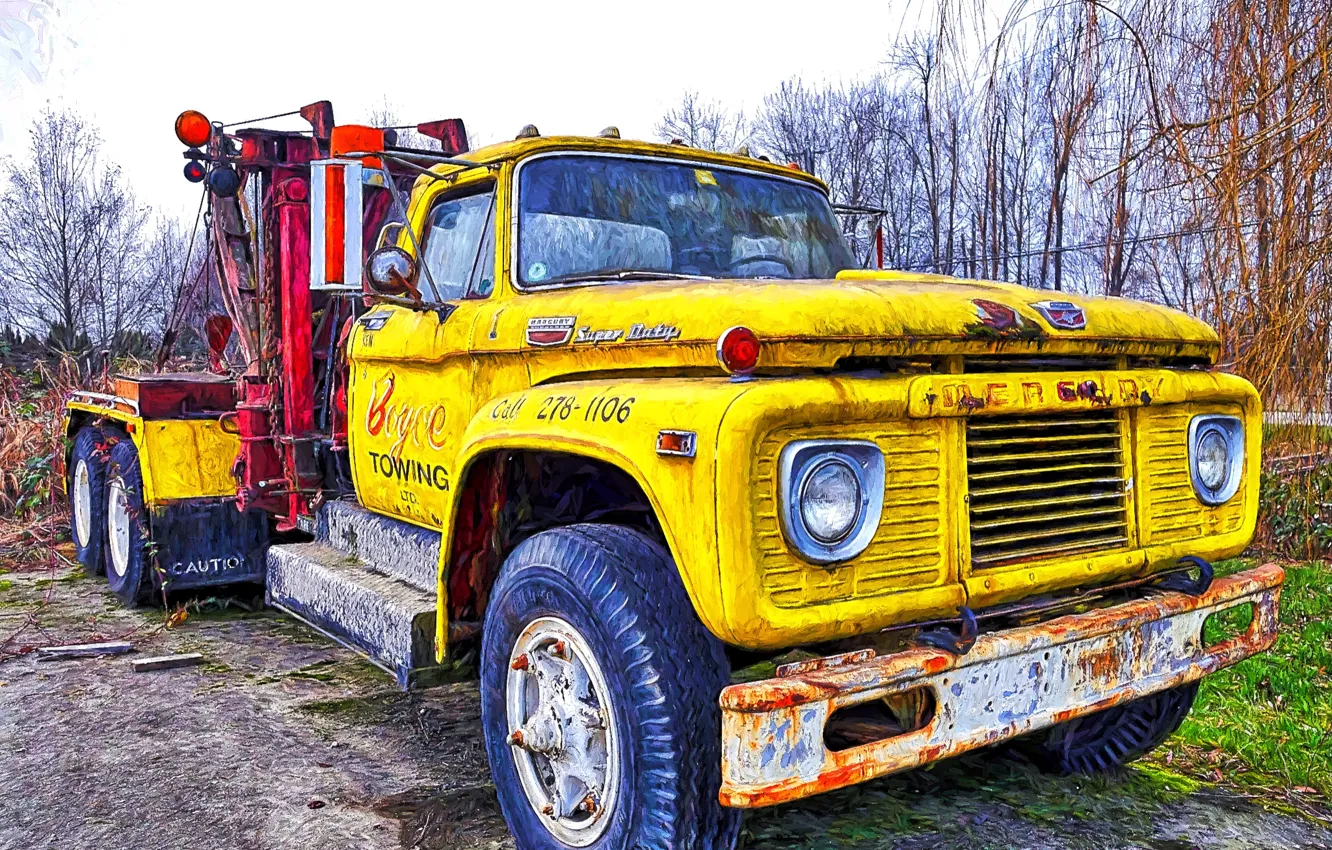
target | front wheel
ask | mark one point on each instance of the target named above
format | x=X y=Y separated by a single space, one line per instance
x=1117 y=735
x=599 y=691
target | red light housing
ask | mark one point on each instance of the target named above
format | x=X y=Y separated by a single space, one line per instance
x=738 y=350
x=451 y=134
x=193 y=129
x=194 y=171
x=356 y=138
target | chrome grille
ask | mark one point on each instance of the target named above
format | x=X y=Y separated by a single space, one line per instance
x=1042 y=487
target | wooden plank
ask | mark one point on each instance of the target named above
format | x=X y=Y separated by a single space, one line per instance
x=84 y=650
x=167 y=662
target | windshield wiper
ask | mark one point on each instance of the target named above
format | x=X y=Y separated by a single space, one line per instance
x=624 y=274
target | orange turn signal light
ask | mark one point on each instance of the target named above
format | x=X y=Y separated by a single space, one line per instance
x=193 y=129
x=678 y=443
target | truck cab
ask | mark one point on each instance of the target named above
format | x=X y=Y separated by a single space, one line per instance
x=614 y=420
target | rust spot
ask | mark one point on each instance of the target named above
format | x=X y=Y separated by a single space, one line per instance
x=1130 y=655
x=1100 y=666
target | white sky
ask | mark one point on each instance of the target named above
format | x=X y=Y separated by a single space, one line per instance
x=131 y=66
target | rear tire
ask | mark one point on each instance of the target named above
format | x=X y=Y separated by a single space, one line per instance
x=1110 y=739
x=593 y=619
x=127 y=535
x=85 y=485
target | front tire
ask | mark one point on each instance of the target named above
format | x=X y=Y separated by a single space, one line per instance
x=86 y=488
x=127 y=537
x=1110 y=739
x=592 y=652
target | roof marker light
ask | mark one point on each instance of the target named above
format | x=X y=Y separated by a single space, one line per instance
x=738 y=350
x=193 y=129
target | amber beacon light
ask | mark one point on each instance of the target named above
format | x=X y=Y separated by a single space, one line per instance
x=193 y=129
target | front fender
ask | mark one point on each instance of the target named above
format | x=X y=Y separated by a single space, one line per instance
x=617 y=422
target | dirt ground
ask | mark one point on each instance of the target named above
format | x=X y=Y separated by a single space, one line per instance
x=283 y=739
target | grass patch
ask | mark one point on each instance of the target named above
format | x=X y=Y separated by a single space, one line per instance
x=1266 y=723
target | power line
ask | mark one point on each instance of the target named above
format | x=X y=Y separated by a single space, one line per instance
x=1085 y=246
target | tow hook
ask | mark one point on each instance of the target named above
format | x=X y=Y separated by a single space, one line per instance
x=943 y=637
x=1180 y=580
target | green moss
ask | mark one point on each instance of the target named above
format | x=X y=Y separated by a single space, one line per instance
x=60 y=578
x=361 y=709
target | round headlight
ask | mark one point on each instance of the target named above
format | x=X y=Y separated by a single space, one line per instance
x=830 y=501
x=1213 y=459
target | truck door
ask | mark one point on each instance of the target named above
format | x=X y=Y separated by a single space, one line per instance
x=412 y=375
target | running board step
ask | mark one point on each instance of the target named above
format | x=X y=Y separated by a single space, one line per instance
x=390 y=621
x=407 y=552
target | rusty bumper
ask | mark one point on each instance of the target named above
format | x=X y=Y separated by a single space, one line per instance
x=1010 y=683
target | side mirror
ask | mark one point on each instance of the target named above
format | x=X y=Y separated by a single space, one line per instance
x=388 y=233
x=390 y=271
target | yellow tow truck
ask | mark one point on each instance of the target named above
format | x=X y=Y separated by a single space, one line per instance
x=613 y=420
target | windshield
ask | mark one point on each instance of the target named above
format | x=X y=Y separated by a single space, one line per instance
x=599 y=218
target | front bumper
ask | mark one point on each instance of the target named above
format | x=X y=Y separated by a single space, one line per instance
x=1010 y=683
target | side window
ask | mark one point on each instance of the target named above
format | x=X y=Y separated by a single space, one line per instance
x=460 y=245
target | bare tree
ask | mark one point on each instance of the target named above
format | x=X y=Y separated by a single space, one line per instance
x=703 y=124
x=71 y=244
x=48 y=227
x=388 y=115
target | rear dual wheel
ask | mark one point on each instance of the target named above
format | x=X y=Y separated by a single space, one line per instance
x=127 y=526
x=86 y=488
x=107 y=519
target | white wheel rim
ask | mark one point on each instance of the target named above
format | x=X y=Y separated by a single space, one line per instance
x=82 y=503
x=118 y=525
x=562 y=731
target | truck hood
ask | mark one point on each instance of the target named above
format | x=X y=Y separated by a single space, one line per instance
x=811 y=324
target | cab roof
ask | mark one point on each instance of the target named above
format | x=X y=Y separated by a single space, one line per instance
x=516 y=149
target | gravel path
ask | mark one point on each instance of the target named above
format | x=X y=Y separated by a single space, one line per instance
x=285 y=740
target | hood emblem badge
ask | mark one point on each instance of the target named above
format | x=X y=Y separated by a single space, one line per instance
x=1062 y=314
x=996 y=316
x=548 y=331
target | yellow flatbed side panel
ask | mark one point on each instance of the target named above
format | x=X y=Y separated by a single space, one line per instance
x=180 y=458
x=185 y=459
